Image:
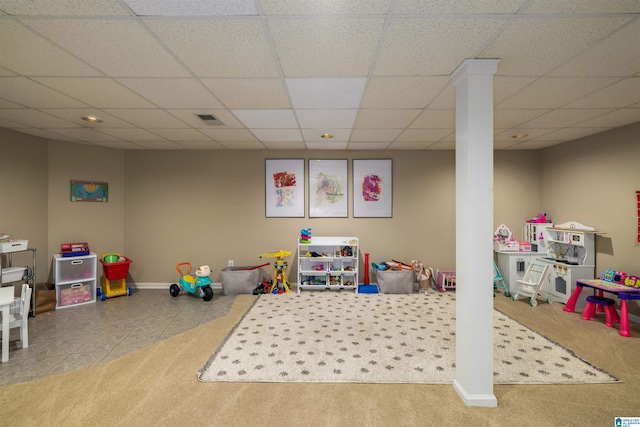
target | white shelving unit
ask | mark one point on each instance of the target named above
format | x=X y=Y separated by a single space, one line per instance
x=75 y=279
x=10 y=274
x=335 y=268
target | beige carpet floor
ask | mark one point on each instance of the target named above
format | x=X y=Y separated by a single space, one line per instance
x=158 y=386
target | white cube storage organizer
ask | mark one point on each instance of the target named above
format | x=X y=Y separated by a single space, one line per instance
x=75 y=279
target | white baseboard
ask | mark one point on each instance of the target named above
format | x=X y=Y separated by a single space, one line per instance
x=163 y=285
x=485 y=400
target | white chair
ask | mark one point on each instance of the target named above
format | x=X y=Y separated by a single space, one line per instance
x=20 y=315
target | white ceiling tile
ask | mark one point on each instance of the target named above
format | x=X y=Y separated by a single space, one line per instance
x=160 y=145
x=8 y=104
x=287 y=145
x=533 y=46
x=326 y=118
x=446 y=99
x=8 y=124
x=74 y=115
x=83 y=134
x=459 y=6
x=376 y=119
x=173 y=93
x=34 y=118
x=277 y=134
x=98 y=92
x=31 y=94
x=368 y=146
x=505 y=86
x=326 y=92
x=402 y=92
x=312 y=7
x=617 y=55
x=618 y=95
x=218 y=48
x=564 y=117
x=435 y=119
x=268 y=119
x=339 y=135
x=192 y=7
x=190 y=117
x=120 y=145
x=423 y=135
x=331 y=54
x=582 y=6
x=451 y=41
x=234 y=135
x=45 y=134
x=249 y=93
x=374 y=135
x=148 y=118
x=243 y=145
x=327 y=145
x=569 y=134
x=116 y=47
x=44 y=58
x=180 y=135
x=554 y=92
x=133 y=135
x=532 y=145
x=201 y=145
x=614 y=119
x=410 y=145
x=443 y=145
x=503 y=119
x=63 y=8
x=507 y=135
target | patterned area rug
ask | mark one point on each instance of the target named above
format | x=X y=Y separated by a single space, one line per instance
x=373 y=338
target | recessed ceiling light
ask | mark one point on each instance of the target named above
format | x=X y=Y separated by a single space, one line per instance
x=326 y=136
x=91 y=119
x=520 y=135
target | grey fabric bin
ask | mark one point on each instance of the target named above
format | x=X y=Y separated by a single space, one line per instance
x=395 y=281
x=237 y=280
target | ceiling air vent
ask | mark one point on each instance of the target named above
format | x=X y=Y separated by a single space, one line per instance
x=210 y=119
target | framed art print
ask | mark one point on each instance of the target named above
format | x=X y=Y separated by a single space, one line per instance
x=89 y=191
x=372 y=188
x=284 y=188
x=328 y=188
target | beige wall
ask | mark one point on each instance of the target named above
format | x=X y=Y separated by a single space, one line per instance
x=24 y=194
x=208 y=206
x=593 y=181
x=99 y=224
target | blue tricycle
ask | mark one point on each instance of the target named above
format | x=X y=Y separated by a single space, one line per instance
x=198 y=285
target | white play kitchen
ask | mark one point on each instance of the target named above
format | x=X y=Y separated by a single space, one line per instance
x=568 y=248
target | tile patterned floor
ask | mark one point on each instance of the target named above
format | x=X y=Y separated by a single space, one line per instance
x=87 y=335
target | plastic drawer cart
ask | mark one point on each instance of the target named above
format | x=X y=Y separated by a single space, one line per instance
x=114 y=280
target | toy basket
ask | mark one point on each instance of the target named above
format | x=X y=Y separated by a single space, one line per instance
x=117 y=270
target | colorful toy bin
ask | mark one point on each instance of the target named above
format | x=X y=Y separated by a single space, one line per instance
x=114 y=280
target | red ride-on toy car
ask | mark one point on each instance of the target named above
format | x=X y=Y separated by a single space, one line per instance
x=198 y=285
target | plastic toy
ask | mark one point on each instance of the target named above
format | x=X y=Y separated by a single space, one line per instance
x=632 y=281
x=305 y=235
x=198 y=285
x=280 y=280
x=114 y=280
x=540 y=219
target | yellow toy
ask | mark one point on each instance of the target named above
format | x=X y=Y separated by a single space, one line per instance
x=114 y=280
x=280 y=280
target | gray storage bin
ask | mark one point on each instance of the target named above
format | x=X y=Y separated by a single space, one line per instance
x=395 y=281
x=237 y=280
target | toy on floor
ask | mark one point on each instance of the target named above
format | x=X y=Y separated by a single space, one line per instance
x=531 y=285
x=114 y=280
x=445 y=279
x=280 y=280
x=424 y=276
x=198 y=285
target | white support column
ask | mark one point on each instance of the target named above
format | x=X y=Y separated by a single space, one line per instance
x=474 y=231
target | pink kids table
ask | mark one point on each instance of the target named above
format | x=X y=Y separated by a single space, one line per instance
x=623 y=292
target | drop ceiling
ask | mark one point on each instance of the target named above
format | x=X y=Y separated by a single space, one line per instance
x=278 y=74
